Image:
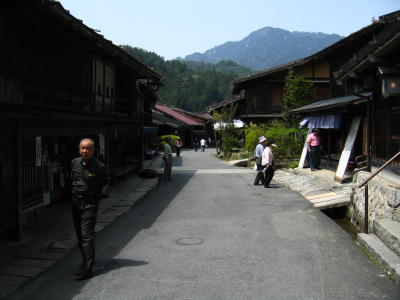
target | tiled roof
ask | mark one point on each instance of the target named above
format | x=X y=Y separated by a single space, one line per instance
x=178 y=116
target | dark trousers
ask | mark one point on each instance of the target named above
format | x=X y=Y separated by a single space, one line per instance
x=269 y=173
x=315 y=157
x=178 y=151
x=260 y=174
x=84 y=213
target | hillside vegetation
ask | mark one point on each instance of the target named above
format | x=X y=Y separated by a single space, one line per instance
x=268 y=47
x=192 y=86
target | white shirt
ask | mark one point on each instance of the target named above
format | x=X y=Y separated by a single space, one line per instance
x=203 y=142
x=267 y=156
x=259 y=150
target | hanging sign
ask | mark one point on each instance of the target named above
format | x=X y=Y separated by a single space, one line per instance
x=348 y=147
x=38 y=151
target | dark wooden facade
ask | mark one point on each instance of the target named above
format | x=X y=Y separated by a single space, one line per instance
x=263 y=92
x=361 y=73
x=60 y=81
x=378 y=135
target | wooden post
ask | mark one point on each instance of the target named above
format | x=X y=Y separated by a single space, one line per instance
x=344 y=157
x=305 y=151
x=18 y=168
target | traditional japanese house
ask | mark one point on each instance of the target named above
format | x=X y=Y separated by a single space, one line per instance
x=61 y=81
x=363 y=119
x=195 y=127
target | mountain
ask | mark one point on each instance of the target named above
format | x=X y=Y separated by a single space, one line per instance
x=223 y=66
x=267 y=47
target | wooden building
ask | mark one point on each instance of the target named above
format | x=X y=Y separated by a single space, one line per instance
x=369 y=102
x=61 y=81
x=259 y=95
x=196 y=126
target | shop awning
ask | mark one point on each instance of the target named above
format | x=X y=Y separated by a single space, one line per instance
x=330 y=103
x=236 y=123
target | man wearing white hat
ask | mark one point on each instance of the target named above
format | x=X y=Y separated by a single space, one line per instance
x=258 y=155
x=267 y=164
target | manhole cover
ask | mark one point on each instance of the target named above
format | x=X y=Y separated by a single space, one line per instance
x=189 y=241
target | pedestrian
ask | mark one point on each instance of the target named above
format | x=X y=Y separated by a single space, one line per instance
x=178 y=146
x=167 y=159
x=203 y=144
x=209 y=141
x=268 y=164
x=89 y=183
x=314 y=150
x=258 y=156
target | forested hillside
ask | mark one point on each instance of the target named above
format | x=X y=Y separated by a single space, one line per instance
x=268 y=47
x=191 y=85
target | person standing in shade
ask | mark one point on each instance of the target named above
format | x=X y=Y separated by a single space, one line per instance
x=267 y=164
x=258 y=156
x=89 y=182
x=167 y=159
x=195 y=145
x=314 y=151
x=203 y=144
x=178 y=146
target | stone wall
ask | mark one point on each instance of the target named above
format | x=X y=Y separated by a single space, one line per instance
x=380 y=193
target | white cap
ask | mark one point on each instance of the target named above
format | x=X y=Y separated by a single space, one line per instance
x=261 y=139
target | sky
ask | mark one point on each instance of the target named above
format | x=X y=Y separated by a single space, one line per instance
x=173 y=28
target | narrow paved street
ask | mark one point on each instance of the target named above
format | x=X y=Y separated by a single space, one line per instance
x=210 y=234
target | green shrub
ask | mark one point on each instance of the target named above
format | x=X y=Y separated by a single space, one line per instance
x=253 y=132
x=293 y=165
x=162 y=140
x=290 y=141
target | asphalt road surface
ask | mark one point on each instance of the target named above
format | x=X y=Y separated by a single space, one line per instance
x=210 y=234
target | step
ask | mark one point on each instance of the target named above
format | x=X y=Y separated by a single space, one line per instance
x=381 y=253
x=338 y=202
x=324 y=199
x=389 y=232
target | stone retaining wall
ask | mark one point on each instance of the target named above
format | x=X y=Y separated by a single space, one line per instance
x=380 y=192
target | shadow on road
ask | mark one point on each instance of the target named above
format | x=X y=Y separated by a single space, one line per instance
x=117 y=263
x=58 y=282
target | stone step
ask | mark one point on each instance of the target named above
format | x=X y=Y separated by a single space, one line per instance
x=381 y=254
x=338 y=202
x=389 y=232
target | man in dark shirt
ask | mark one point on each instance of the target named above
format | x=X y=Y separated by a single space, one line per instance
x=89 y=182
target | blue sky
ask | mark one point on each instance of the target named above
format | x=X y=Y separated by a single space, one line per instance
x=173 y=28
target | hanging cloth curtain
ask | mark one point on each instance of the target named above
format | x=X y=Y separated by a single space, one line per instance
x=324 y=121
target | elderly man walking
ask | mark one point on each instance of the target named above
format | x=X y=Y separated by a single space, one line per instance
x=167 y=159
x=89 y=183
x=258 y=154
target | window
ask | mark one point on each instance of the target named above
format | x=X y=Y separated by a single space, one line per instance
x=99 y=89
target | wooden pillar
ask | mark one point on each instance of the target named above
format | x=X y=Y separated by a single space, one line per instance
x=18 y=192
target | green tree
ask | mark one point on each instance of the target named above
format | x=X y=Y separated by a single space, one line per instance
x=298 y=92
x=225 y=121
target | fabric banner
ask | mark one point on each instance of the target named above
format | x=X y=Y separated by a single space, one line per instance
x=323 y=121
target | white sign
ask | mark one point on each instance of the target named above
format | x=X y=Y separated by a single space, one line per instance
x=344 y=157
x=304 y=152
x=38 y=151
